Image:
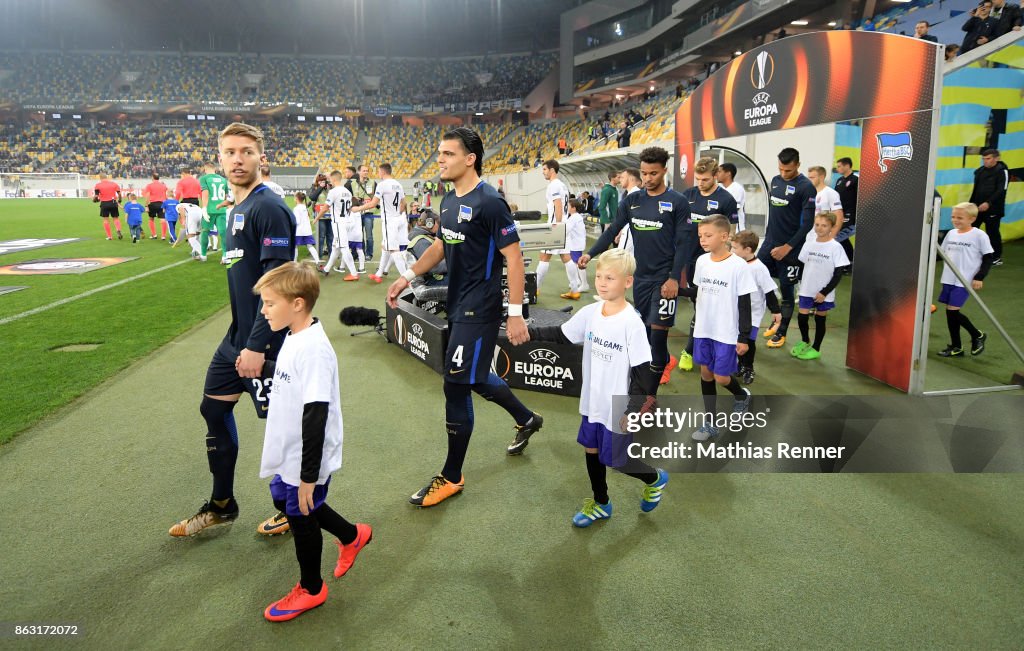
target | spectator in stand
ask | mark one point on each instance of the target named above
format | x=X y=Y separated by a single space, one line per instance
x=921 y=32
x=1007 y=18
x=624 y=135
x=562 y=145
x=991 y=181
x=587 y=203
x=679 y=90
x=979 y=27
x=501 y=188
x=951 y=51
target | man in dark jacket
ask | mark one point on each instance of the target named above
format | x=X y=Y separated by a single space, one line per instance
x=1007 y=18
x=989 y=194
x=625 y=134
x=979 y=27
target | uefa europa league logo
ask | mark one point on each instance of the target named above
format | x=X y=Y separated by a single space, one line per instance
x=762 y=71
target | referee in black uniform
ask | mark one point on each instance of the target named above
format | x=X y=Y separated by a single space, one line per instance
x=476 y=232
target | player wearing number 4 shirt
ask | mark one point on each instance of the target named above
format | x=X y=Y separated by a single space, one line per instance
x=260 y=237
x=477 y=231
x=389 y=196
x=657 y=219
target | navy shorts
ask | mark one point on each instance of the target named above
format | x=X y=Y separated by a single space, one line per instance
x=753 y=333
x=467 y=360
x=611 y=447
x=223 y=380
x=787 y=270
x=575 y=255
x=953 y=295
x=807 y=303
x=282 y=492
x=720 y=358
x=654 y=309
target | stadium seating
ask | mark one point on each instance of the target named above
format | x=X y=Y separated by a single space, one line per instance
x=81 y=77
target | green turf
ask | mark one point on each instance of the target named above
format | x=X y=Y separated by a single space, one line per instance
x=727 y=561
x=129 y=321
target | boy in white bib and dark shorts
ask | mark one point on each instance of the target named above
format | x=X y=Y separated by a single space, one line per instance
x=824 y=263
x=971 y=251
x=302 y=445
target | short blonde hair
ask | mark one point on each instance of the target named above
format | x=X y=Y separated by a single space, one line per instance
x=292 y=280
x=245 y=130
x=619 y=260
x=705 y=165
x=827 y=216
x=969 y=208
x=818 y=169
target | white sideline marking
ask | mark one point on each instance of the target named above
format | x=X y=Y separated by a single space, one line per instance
x=70 y=299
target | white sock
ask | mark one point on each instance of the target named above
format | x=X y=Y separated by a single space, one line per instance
x=335 y=252
x=399 y=261
x=194 y=243
x=385 y=260
x=574 y=278
x=542 y=270
x=362 y=259
x=312 y=253
x=346 y=259
x=582 y=274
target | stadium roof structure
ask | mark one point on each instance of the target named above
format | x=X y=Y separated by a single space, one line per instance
x=397 y=28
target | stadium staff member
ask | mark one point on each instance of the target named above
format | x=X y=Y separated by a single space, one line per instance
x=260 y=237
x=421 y=238
x=108 y=194
x=475 y=225
x=363 y=189
x=847 y=185
x=991 y=181
x=187 y=189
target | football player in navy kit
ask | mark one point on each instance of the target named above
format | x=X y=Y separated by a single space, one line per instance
x=476 y=232
x=706 y=198
x=790 y=218
x=657 y=219
x=260 y=237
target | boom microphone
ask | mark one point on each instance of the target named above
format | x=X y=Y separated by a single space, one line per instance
x=360 y=316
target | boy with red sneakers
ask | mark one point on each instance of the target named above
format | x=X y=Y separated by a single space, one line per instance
x=302 y=446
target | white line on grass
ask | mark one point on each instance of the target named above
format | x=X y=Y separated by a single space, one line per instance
x=70 y=299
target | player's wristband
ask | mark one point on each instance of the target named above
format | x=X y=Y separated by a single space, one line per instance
x=409 y=275
x=515 y=309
